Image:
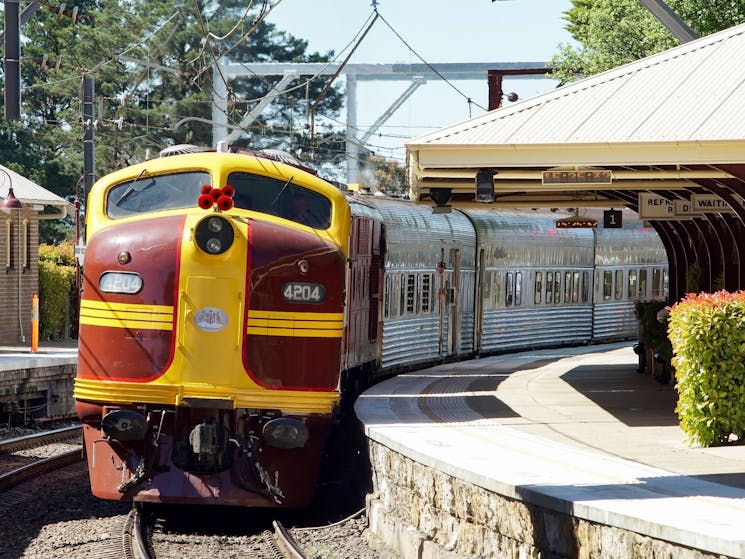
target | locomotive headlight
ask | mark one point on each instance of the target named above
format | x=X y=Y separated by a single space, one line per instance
x=215 y=224
x=214 y=235
x=285 y=432
x=214 y=245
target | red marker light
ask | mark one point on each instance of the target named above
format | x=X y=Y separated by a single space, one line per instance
x=224 y=203
x=206 y=189
x=205 y=201
x=228 y=190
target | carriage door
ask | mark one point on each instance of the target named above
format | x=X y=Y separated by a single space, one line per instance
x=448 y=294
x=479 y=303
x=453 y=297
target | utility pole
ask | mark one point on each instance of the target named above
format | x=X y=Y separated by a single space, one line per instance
x=89 y=170
x=12 y=60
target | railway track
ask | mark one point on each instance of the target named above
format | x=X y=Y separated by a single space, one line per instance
x=140 y=542
x=25 y=456
x=64 y=434
x=51 y=483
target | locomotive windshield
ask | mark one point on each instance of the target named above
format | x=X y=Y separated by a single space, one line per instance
x=281 y=198
x=156 y=193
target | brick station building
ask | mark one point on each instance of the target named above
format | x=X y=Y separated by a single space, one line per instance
x=19 y=250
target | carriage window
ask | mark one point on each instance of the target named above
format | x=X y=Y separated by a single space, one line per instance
x=557 y=287
x=619 y=285
x=567 y=286
x=549 y=287
x=633 y=288
x=585 y=286
x=607 y=285
x=497 y=289
x=656 y=282
x=538 y=287
x=402 y=295
x=510 y=289
x=426 y=292
x=410 y=292
x=575 y=287
x=642 y=284
x=518 y=288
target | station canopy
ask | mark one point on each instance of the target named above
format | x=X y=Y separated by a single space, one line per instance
x=673 y=122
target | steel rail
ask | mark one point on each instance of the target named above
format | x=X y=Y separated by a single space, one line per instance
x=19 y=475
x=286 y=543
x=37 y=439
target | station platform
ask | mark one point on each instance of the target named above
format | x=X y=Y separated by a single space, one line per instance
x=573 y=430
x=20 y=356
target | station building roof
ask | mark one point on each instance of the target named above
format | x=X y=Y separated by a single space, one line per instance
x=30 y=193
x=662 y=122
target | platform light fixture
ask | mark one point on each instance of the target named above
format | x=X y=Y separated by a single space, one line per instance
x=485 y=186
x=11 y=202
x=441 y=197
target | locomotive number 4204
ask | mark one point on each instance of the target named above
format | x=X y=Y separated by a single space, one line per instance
x=300 y=292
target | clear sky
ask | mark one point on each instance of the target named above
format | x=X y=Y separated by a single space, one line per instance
x=437 y=31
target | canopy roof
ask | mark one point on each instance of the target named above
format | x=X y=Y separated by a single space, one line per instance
x=665 y=122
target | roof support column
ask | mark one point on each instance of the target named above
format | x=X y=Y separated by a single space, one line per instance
x=353 y=147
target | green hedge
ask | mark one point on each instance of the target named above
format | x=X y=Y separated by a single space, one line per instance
x=707 y=332
x=57 y=298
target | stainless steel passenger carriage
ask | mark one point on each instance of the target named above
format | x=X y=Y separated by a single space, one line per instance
x=428 y=294
x=534 y=282
x=629 y=266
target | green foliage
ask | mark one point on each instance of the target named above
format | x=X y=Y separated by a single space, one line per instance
x=152 y=66
x=615 y=32
x=383 y=175
x=57 y=297
x=707 y=332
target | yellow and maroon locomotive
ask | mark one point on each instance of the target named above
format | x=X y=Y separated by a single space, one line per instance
x=212 y=329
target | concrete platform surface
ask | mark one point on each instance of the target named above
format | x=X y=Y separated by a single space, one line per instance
x=576 y=430
x=20 y=356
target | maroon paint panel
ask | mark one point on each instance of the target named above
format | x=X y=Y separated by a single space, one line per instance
x=289 y=362
x=116 y=462
x=138 y=354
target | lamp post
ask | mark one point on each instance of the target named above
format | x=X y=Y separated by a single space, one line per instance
x=7 y=205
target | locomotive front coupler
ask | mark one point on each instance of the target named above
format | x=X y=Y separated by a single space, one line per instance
x=145 y=466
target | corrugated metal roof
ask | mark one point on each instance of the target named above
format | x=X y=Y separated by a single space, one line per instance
x=28 y=191
x=694 y=92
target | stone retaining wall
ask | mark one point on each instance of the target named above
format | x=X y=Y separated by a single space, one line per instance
x=422 y=513
x=55 y=383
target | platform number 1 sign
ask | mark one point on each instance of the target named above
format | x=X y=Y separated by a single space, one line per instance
x=612 y=219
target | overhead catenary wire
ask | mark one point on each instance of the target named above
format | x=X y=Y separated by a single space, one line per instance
x=430 y=66
x=338 y=71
